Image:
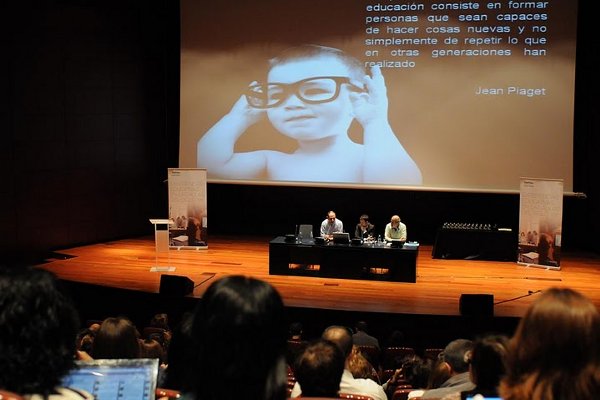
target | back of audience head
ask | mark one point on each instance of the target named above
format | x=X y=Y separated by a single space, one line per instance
x=39 y=325
x=116 y=338
x=396 y=339
x=488 y=362
x=457 y=355
x=440 y=373
x=296 y=330
x=361 y=326
x=151 y=348
x=239 y=334
x=180 y=356
x=417 y=370
x=341 y=336
x=160 y=320
x=319 y=369
x=555 y=351
x=359 y=365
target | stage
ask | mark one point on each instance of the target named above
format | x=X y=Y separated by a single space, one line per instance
x=133 y=265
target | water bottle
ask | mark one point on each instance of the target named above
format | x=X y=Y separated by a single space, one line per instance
x=379 y=242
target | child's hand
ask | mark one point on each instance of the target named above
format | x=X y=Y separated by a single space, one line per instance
x=243 y=111
x=371 y=105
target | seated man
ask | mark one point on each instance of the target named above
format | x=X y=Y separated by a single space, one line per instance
x=342 y=337
x=395 y=229
x=364 y=229
x=330 y=225
x=455 y=358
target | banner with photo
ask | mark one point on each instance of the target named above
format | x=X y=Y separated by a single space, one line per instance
x=187 y=208
x=540 y=222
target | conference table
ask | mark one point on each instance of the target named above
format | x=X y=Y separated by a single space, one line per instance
x=347 y=261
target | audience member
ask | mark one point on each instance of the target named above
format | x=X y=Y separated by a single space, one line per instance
x=296 y=331
x=85 y=340
x=342 y=337
x=396 y=339
x=440 y=373
x=319 y=369
x=151 y=348
x=487 y=367
x=555 y=351
x=415 y=371
x=295 y=342
x=94 y=327
x=38 y=329
x=116 y=338
x=395 y=229
x=239 y=335
x=455 y=359
x=360 y=366
x=175 y=375
x=364 y=229
x=370 y=345
x=161 y=321
x=330 y=225
x=361 y=337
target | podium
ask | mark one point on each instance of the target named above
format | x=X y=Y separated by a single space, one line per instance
x=161 y=234
x=161 y=238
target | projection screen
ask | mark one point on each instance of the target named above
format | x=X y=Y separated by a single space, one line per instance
x=432 y=95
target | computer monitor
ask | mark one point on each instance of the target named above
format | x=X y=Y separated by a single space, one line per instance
x=119 y=379
x=341 y=237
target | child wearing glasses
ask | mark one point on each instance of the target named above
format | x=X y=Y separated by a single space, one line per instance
x=312 y=94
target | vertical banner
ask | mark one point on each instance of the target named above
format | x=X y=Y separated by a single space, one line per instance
x=187 y=208
x=540 y=222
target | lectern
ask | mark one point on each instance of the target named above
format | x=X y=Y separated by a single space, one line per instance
x=161 y=234
x=161 y=241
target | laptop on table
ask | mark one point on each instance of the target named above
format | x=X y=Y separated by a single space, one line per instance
x=341 y=237
x=397 y=243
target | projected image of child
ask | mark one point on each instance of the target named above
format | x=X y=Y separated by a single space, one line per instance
x=313 y=94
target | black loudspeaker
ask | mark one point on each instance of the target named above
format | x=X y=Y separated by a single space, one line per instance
x=174 y=285
x=476 y=305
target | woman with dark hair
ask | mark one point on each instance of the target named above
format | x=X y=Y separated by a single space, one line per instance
x=179 y=358
x=38 y=328
x=555 y=352
x=116 y=338
x=239 y=335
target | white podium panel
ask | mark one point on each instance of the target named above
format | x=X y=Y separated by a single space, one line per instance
x=161 y=234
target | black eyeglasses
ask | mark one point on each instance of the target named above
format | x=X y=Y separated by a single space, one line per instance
x=316 y=90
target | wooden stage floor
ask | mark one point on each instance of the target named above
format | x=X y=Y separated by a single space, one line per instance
x=127 y=264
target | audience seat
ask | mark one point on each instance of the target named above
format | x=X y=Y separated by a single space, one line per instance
x=391 y=355
x=167 y=394
x=6 y=395
x=401 y=393
x=432 y=353
x=372 y=354
x=294 y=348
x=354 y=396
